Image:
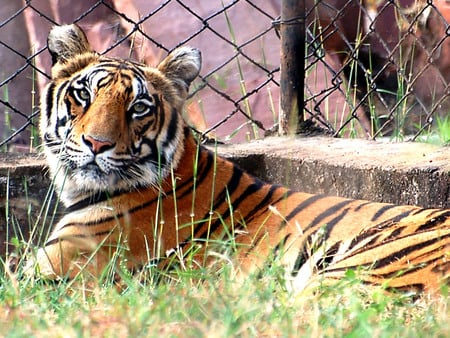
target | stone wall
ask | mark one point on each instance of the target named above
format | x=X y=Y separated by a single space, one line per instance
x=403 y=173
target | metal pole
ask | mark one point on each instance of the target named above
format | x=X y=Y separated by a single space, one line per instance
x=292 y=64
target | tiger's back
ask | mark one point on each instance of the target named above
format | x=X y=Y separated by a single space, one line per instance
x=133 y=176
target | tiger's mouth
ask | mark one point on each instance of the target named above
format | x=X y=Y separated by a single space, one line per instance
x=92 y=177
x=95 y=165
x=94 y=173
x=94 y=169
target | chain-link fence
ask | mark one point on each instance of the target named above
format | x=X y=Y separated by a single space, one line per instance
x=379 y=67
x=372 y=67
x=235 y=96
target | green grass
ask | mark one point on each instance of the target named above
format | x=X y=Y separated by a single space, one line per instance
x=7 y=123
x=7 y=129
x=439 y=134
x=212 y=303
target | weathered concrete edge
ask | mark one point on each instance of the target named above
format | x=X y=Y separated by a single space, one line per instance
x=403 y=173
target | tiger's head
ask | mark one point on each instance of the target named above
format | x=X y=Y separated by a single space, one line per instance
x=110 y=124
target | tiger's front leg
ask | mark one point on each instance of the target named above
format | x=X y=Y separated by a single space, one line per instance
x=67 y=256
x=64 y=260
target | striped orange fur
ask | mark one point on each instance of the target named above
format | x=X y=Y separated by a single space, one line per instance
x=133 y=176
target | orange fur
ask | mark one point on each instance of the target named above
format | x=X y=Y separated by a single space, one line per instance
x=197 y=198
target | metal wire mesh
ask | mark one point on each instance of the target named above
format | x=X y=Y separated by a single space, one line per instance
x=379 y=67
x=234 y=98
x=373 y=67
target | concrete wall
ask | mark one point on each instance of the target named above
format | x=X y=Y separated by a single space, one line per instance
x=403 y=173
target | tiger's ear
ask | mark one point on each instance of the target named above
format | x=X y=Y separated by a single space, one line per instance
x=182 y=65
x=64 y=42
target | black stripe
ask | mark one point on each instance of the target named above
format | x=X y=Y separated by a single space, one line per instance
x=378 y=229
x=392 y=256
x=187 y=132
x=103 y=196
x=104 y=81
x=63 y=86
x=251 y=189
x=171 y=134
x=395 y=219
x=94 y=199
x=434 y=221
x=87 y=80
x=319 y=219
x=406 y=251
x=91 y=223
x=172 y=129
x=362 y=205
x=233 y=183
x=396 y=233
x=318 y=242
x=61 y=121
x=49 y=99
x=381 y=211
x=72 y=149
x=160 y=118
x=305 y=204
x=118 y=64
x=332 y=223
x=280 y=246
x=262 y=206
x=409 y=270
x=59 y=95
x=328 y=257
x=154 y=156
x=420 y=210
x=229 y=189
x=202 y=173
x=125 y=76
x=371 y=232
x=68 y=105
x=442 y=268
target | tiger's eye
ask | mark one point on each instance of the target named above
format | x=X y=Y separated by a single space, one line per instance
x=84 y=94
x=139 y=108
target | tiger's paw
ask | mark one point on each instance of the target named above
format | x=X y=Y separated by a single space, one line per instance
x=40 y=267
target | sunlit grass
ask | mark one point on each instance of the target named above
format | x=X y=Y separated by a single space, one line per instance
x=200 y=303
x=440 y=134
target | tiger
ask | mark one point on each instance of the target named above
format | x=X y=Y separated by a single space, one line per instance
x=134 y=177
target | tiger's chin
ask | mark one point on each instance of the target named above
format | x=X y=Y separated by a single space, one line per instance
x=90 y=180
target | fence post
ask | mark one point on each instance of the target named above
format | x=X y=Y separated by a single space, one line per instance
x=292 y=65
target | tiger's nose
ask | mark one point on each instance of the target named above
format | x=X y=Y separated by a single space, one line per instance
x=96 y=145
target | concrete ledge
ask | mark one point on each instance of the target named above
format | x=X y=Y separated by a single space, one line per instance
x=402 y=173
